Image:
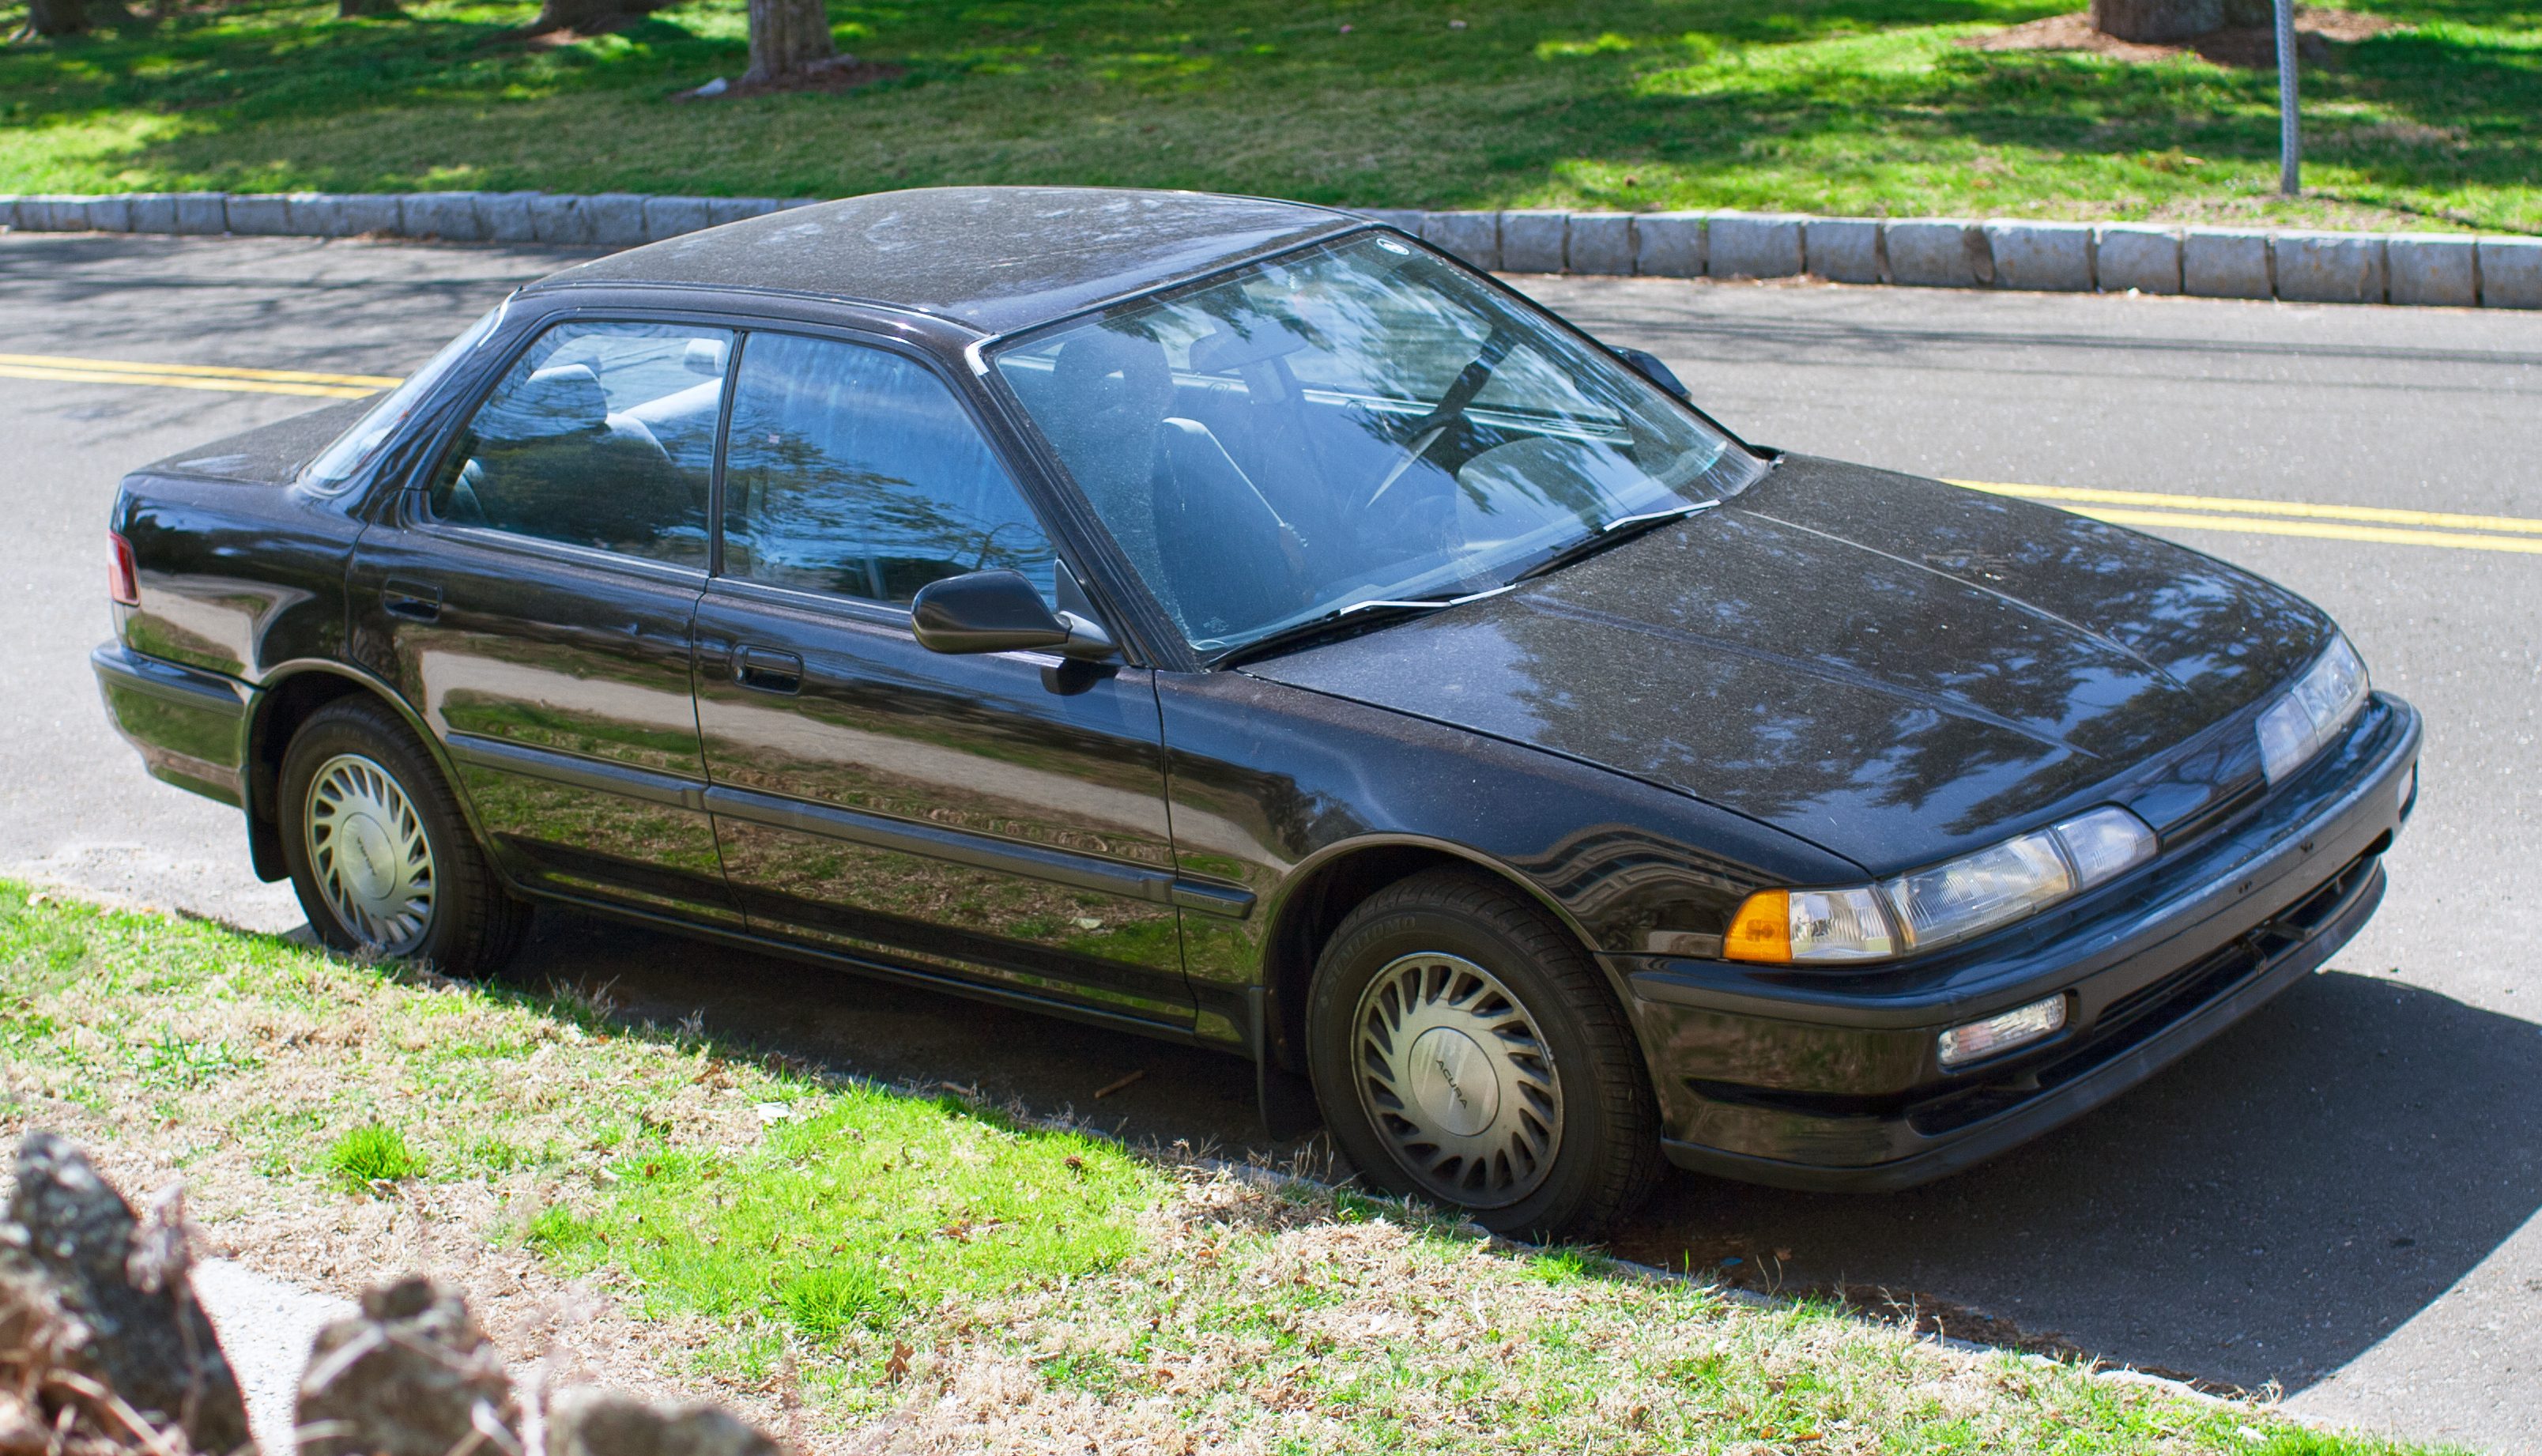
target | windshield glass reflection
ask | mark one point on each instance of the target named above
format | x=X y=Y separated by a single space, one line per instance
x=1353 y=422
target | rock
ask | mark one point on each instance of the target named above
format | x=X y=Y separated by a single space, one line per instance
x=2511 y=273
x=671 y=217
x=260 y=214
x=589 y=1422
x=2050 y=257
x=1601 y=243
x=616 y=219
x=2225 y=262
x=1670 y=245
x=1843 y=250
x=127 y=1312
x=410 y=1375
x=2138 y=256
x=1474 y=237
x=1532 y=241
x=202 y=213
x=2433 y=271
x=1940 y=252
x=2328 y=268
x=1755 y=244
x=721 y=211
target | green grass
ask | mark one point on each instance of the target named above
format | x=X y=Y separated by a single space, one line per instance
x=975 y=1279
x=1854 y=106
x=370 y=1155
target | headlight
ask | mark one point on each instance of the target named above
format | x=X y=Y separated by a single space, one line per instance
x=1948 y=902
x=2313 y=711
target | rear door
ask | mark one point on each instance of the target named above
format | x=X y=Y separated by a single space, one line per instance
x=995 y=818
x=534 y=601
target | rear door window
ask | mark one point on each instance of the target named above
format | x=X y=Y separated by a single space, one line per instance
x=855 y=471
x=602 y=435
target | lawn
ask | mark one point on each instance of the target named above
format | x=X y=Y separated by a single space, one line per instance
x=880 y=1270
x=1852 y=107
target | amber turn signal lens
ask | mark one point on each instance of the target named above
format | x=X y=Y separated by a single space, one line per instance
x=1762 y=928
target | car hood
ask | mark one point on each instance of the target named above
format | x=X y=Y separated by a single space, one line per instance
x=1891 y=667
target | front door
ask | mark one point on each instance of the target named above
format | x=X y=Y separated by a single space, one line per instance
x=997 y=818
x=536 y=603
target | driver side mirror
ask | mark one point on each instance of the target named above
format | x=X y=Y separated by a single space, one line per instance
x=1648 y=365
x=1000 y=612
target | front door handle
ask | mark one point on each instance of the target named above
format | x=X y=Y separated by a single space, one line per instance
x=417 y=601
x=767 y=669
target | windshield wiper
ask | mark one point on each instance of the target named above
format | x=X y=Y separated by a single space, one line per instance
x=1613 y=533
x=1301 y=633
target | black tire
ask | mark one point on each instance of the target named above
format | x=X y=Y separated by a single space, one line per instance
x=1564 y=1165
x=471 y=925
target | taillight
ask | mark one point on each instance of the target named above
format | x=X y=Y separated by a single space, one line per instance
x=122 y=581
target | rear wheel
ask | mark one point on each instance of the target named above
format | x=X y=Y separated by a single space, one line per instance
x=1466 y=1051
x=379 y=856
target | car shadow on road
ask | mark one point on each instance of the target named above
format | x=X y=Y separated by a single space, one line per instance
x=2264 y=1212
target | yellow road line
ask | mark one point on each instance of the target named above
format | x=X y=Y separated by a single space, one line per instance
x=2318 y=530
x=182 y=381
x=202 y=371
x=2379 y=514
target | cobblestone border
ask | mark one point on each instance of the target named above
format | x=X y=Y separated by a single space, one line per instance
x=2458 y=270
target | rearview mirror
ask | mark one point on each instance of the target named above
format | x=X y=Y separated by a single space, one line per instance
x=1648 y=365
x=1000 y=612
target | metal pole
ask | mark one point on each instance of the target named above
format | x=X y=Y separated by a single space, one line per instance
x=2289 y=137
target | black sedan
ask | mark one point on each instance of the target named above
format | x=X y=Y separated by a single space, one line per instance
x=1233 y=621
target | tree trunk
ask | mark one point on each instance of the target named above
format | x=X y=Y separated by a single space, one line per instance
x=786 y=37
x=58 y=17
x=2156 y=20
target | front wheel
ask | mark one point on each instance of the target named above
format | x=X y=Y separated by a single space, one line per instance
x=379 y=856
x=1466 y=1051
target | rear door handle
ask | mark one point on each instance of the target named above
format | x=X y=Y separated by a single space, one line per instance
x=417 y=601
x=767 y=669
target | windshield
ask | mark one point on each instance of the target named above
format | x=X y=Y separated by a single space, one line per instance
x=1354 y=422
x=336 y=467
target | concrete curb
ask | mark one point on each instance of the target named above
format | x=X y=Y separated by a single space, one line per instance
x=2450 y=269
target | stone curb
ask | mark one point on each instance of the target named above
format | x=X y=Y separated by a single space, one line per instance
x=2456 y=270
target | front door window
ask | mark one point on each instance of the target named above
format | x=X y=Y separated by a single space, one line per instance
x=855 y=472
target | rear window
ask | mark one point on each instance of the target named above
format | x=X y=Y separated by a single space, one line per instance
x=354 y=450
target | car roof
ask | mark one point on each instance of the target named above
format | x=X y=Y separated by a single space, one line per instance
x=995 y=258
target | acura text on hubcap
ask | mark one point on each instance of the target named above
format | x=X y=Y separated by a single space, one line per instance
x=369 y=854
x=1457 y=1079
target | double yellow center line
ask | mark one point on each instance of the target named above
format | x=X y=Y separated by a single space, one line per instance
x=2382 y=525
x=192 y=376
x=2376 y=524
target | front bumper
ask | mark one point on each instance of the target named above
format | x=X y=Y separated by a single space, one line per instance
x=1829 y=1079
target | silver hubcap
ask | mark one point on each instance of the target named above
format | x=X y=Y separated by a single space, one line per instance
x=1455 y=1077
x=368 y=852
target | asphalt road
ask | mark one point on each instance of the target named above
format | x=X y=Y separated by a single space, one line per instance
x=2339 y=1196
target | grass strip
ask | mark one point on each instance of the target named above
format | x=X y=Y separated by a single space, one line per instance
x=919 y=1273
x=1847 y=107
